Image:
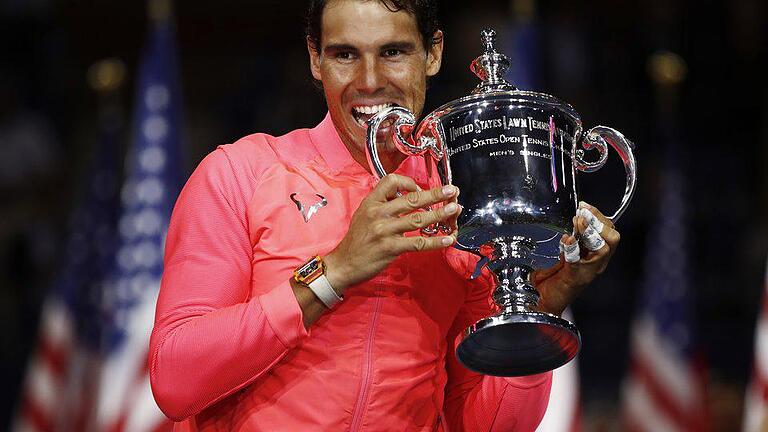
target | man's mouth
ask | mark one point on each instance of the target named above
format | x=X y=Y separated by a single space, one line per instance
x=362 y=113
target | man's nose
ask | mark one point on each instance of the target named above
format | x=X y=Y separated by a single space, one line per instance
x=371 y=77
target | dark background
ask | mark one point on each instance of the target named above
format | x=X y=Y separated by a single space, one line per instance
x=244 y=69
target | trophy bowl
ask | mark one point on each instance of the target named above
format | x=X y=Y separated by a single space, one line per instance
x=514 y=155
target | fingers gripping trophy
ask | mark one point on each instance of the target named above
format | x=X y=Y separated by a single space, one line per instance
x=515 y=157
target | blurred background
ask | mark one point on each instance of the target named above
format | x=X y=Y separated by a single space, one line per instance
x=684 y=80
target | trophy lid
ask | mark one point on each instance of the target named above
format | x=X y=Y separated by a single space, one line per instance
x=493 y=89
x=491 y=66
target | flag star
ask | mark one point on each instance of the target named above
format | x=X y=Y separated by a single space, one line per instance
x=126 y=258
x=141 y=283
x=157 y=97
x=152 y=159
x=127 y=226
x=122 y=291
x=146 y=254
x=147 y=222
x=155 y=128
x=121 y=319
x=150 y=191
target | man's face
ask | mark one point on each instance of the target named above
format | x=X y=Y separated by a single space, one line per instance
x=370 y=58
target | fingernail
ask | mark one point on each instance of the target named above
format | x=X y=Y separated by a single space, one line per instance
x=447 y=241
x=583 y=204
x=451 y=208
x=448 y=190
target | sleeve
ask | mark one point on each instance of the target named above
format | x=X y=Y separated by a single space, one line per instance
x=210 y=337
x=475 y=402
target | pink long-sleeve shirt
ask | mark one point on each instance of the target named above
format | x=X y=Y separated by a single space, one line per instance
x=229 y=350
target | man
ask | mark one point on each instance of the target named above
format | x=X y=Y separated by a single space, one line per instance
x=363 y=337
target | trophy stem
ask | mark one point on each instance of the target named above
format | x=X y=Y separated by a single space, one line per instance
x=518 y=340
x=512 y=264
x=514 y=291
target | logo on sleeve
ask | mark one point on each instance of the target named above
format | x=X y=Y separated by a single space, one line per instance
x=308 y=210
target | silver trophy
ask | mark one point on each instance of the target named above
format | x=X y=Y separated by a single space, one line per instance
x=514 y=155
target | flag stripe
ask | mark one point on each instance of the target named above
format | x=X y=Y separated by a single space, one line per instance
x=761 y=348
x=665 y=390
x=22 y=425
x=165 y=426
x=642 y=413
x=754 y=409
x=669 y=369
x=756 y=400
x=39 y=418
x=55 y=358
x=56 y=323
x=576 y=419
x=659 y=397
x=144 y=414
x=44 y=386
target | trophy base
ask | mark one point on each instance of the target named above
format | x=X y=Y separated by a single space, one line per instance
x=518 y=343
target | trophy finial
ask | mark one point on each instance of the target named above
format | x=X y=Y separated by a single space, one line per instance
x=491 y=66
x=489 y=39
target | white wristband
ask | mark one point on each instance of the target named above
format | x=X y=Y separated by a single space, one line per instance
x=325 y=292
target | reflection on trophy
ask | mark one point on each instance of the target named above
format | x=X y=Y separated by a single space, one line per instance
x=514 y=156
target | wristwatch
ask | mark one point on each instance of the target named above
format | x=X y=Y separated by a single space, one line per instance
x=312 y=275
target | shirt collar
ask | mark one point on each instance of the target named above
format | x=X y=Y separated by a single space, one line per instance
x=334 y=152
x=326 y=139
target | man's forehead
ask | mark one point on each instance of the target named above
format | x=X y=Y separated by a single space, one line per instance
x=366 y=23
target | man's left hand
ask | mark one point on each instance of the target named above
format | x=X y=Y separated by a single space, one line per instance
x=583 y=256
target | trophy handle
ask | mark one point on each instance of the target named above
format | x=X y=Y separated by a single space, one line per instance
x=404 y=121
x=596 y=138
x=403 y=138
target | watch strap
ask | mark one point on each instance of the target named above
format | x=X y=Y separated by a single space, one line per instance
x=324 y=291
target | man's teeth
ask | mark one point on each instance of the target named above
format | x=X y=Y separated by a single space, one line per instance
x=370 y=109
x=363 y=113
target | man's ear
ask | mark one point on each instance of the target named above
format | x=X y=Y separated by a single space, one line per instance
x=314 y=58
x=435 y=54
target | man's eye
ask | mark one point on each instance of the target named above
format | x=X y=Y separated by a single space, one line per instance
x=392 y=52
x=344 y=55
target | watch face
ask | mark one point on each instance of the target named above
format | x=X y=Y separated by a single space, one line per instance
x=308 y=269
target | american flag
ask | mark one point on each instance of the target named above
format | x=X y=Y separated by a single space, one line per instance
x=151 y=186
x=96 y=326
x=665 y=388
x=756 y=402
x=524 y=43
x=63 y=371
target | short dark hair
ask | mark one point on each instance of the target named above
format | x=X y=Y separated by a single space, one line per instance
x=425 y=12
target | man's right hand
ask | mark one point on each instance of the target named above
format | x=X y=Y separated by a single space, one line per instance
x=376 y=233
